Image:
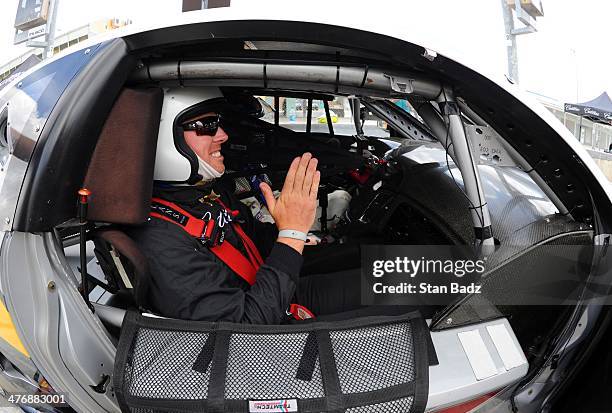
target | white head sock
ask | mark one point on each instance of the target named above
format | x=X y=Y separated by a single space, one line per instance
x=208 y=172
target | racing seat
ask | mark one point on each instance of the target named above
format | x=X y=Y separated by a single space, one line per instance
x=120 y=178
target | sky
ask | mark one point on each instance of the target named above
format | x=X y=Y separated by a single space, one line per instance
x=567 y=59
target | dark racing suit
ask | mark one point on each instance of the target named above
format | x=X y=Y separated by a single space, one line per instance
x=187 y=281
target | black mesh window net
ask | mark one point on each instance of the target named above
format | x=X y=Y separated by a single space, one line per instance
x=365 y=365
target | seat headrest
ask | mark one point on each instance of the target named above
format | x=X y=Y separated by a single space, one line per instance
x=120 y=174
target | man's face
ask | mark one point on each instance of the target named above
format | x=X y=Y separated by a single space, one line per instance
x=207 y=147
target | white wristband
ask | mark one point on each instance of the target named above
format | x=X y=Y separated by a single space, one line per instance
x=291 y=233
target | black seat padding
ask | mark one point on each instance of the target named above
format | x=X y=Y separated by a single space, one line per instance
x=125 y=267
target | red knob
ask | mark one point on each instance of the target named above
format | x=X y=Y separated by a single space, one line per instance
x=83 y=195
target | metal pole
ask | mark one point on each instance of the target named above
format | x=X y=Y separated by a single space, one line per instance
x=437 y=126
x=82 y=212
x=309 y=116
x=50 y=29
x=276 y=110
x=469 y=171
x=330 y=127
x=511 y=42
x=355 y=108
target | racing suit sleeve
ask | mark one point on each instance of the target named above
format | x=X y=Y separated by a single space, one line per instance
x=189 y=282
x=264 y=234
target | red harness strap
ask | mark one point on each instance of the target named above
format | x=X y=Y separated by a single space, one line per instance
x=245 y=267
x=248 y=243
x=299 y=312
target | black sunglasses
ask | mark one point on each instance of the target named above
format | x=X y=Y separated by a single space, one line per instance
x=207 y=125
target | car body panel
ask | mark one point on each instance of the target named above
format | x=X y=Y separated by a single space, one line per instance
x=454 y=380
x=66 y=342
x=8 y=332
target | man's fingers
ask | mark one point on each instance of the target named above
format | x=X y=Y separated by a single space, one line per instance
x=310 y=172
x=298 y=183
x=288 y=185
x=314 y=188
x=268 y=196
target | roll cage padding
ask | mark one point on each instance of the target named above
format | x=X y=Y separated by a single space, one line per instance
x=120 y=174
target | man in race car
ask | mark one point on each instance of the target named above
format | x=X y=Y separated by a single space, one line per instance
x=209 y=259
x=219 y=273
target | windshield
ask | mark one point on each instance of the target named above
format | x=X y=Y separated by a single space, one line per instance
x=293 y=114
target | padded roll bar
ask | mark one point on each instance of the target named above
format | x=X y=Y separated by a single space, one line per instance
x=322 y=77
x=469 y=170
x=451 y=134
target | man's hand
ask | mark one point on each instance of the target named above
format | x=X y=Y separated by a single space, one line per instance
x=296 y=206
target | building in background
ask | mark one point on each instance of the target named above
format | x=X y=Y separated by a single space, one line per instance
x=31 y=14
x=34 y=20
x=524 y=12
x=63 y=41
x=594 y=135
x=30 y=61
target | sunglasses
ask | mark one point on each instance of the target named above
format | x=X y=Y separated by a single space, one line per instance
x=207 y=125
